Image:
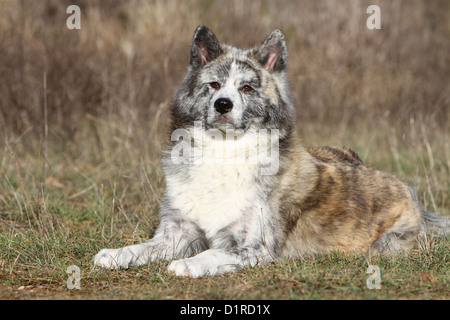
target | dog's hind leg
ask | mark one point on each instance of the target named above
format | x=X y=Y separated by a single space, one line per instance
x=399 y=237
x=392 y=242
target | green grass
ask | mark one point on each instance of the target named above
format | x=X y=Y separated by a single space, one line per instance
x=61 y=211
x=36 y=268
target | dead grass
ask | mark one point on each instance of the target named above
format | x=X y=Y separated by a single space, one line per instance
x=128 y=58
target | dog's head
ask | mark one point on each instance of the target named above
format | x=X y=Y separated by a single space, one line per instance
x=230 y=88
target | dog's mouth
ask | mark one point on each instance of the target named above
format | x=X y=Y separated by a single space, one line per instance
x=223 y=121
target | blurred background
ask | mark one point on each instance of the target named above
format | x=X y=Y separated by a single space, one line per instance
x=129 y=56
x=88 y=107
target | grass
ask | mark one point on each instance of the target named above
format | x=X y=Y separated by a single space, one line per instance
x=61 y=211
x=83 y=116
x=333 y=276
x=423 y=274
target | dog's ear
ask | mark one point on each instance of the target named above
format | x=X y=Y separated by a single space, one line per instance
x=272 y=53
x=204 y=47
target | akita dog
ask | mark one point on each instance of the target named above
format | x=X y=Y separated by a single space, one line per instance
x=220 y=213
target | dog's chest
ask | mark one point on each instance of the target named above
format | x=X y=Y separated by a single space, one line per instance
x=214 y=194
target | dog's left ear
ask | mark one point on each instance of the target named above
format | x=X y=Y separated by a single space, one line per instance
x=272 y=53
x=204 y=47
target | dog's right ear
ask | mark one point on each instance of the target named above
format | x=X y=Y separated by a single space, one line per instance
x=204 y=47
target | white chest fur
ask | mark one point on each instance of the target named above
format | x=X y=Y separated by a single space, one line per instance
x=216 y=191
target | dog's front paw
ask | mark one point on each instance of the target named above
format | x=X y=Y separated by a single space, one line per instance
x=188 y=268
x=115 y=258
x=207 y=263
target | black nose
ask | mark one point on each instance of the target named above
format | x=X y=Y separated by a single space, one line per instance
x=223 y=105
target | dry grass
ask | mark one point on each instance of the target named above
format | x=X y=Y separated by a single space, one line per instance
x=129 y=56
x=83 y=116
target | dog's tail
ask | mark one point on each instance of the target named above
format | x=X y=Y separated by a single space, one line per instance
x=432 y=223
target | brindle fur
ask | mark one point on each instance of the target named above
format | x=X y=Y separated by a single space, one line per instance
x=348 y=206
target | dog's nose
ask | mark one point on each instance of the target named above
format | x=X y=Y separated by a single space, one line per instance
x=223 y=105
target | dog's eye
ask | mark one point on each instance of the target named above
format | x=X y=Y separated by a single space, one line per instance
x=246 y=88
x=215 y=85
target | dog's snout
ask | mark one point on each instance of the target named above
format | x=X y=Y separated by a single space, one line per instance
x=223 y=105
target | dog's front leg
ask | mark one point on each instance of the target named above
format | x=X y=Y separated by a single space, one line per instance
x=249 y=241
x=214 y=262
x=174 y=238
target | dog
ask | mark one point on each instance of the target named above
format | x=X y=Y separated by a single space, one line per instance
x=241 y=190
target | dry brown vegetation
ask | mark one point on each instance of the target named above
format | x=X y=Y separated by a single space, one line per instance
x=129 y=57
x=83 y=112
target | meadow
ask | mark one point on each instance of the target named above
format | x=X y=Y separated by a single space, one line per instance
x=84 y=115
